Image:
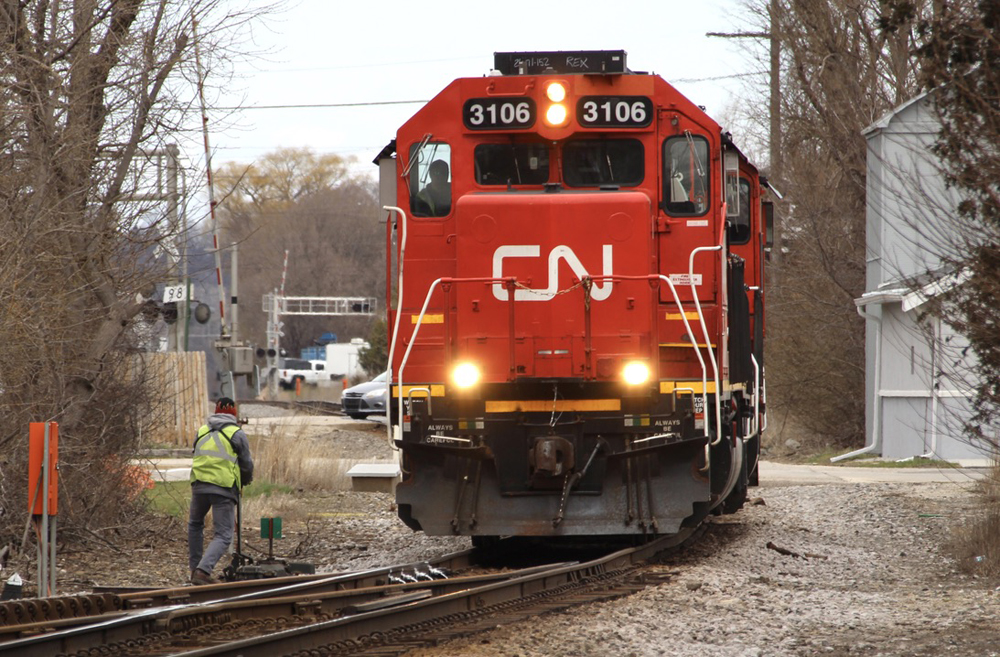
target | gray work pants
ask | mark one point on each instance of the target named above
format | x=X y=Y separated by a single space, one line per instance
x=223 y=518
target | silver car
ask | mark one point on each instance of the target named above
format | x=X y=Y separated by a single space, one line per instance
x=365 y=399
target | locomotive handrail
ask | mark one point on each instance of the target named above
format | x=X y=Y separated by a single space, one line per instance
x=708 y=341
x=395 y=328
x=409 y=397
x=756 y=396
x=687 y=327
x=510 y=280
x=416 y=331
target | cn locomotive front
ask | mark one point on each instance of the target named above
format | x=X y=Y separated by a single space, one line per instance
x=576 y=346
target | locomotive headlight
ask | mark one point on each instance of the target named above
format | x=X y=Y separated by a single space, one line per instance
x=556 y=115
x=636 y=373
x=465 y=375
x=555 y=92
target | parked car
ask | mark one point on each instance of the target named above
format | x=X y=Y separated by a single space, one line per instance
x=307 y=371
x=366 y=399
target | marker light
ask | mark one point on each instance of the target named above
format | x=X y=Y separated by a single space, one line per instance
x=556 y=92
x=465 y=375
x=636 y=373
x=556 y=115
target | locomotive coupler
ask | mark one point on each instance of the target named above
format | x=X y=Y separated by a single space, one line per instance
x=572 y=481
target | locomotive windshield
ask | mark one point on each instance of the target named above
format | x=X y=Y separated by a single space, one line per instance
x=512 y=164
x=595 y=162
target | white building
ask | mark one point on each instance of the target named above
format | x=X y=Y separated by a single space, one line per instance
x=917 y=396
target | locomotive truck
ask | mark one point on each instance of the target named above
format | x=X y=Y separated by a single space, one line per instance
x=577 y=342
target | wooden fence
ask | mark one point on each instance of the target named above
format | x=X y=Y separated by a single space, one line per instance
x=180 y=385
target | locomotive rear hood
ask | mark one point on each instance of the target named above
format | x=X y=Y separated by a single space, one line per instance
x=549 y=242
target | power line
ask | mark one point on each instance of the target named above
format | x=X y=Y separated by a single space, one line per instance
x=321 y=105
x=715 y=78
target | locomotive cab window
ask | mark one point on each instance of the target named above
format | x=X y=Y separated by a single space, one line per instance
x=739 y=225
x=430 y=180
x=597 y=162
x=512 y=164
x=685 y=175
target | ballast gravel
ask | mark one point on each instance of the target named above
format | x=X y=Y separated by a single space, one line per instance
x=861 y=571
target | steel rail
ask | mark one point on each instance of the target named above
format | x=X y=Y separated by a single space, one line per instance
x=439 y=608
x=30 y=617
x=126 y=629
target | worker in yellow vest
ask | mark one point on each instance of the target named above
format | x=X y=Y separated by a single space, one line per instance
x=222 y=467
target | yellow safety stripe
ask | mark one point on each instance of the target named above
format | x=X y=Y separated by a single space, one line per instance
x=560 y=405
x=686 y=315
x=420 y=390
x=668 y=387
x=428 y=319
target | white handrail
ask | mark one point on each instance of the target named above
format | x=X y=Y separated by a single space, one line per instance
x=406 y=354
x=697 y=352
x=708 y=341
x=756 y=396
x=395 y=328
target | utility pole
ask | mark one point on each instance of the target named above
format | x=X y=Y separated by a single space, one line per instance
x=774 y=128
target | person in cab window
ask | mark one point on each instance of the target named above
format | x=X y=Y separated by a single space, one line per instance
x=222 y=467
x=437 y=193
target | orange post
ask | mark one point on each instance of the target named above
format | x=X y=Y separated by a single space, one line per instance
x=36 y=449
x=298 y=387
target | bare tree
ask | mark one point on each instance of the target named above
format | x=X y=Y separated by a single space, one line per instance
x=841 y=69
x=326 y=218
x=959 y=66
x=89 y=89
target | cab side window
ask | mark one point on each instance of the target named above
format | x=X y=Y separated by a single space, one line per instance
x=739 y=225
x=430 y=180
x=685 y=175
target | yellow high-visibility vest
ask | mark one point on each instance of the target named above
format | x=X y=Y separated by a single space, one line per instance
x=215 y=461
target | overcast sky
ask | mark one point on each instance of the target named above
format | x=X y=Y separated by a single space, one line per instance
x=330 y=52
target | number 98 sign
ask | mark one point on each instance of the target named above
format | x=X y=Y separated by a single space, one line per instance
x=614 y=111
x=174 y=293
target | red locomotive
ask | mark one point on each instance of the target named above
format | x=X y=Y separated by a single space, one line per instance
x=577 y=341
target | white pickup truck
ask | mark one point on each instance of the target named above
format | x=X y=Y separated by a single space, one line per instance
x=295 y=370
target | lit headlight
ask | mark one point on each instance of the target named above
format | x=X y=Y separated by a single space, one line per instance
x=465 y=375
x=556 y=92
x=556 y=115
x=636 y=373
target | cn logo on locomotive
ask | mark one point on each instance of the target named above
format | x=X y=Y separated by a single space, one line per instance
x=561 y=252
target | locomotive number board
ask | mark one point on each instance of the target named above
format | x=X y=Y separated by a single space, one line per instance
x=498 y=113
x=614 y=111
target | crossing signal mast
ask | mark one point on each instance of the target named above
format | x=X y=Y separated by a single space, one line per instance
x=277 y=305
x=237 y=356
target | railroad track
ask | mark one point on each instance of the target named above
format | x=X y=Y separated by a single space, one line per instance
x=377 y=612
x=313 y=407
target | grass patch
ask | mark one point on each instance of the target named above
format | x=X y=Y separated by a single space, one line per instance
x=288 y=456
x=174 y=497
x=975 y=544
x=907 y=463
x=866 y=461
